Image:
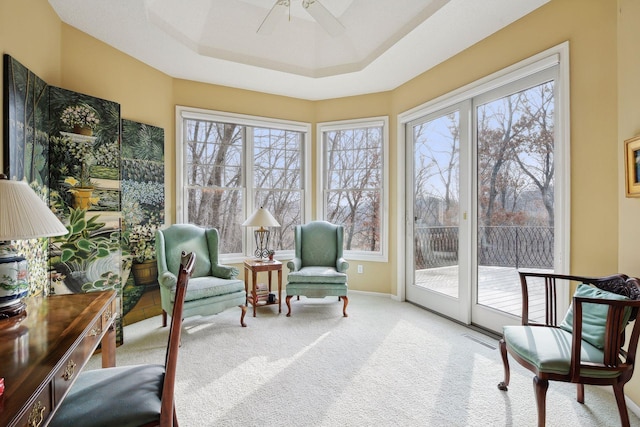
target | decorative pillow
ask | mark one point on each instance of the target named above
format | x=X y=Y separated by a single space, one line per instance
x=594 y=316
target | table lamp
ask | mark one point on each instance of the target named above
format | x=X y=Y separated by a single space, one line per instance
x=23 y=215
x=261 y=218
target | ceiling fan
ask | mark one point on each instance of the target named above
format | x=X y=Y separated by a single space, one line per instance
x=321 y=14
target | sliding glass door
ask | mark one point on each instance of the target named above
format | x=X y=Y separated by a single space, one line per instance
x=437 y=205
x=482 y=177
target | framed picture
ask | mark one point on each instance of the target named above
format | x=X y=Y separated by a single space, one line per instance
x=632 y=162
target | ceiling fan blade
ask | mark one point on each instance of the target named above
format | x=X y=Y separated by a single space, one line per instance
x=273 y=17
x=323 y=17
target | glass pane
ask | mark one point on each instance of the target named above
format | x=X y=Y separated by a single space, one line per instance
x=353 y=185
x=359 y=209
x=286 y=208
x=515 y=193
x=436 y=203
x=221 y=209
x=278 y=181
x=214 y=154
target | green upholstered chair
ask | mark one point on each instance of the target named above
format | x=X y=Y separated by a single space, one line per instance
x=318 y=269
x=213 y=287
x=130 y=396
x=587 y=346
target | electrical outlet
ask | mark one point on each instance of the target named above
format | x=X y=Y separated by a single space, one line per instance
x=360 y=268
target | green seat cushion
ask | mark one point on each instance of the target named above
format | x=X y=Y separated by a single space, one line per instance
x=317 y=290
x=594 y=316
x=209 y=286
x=124 y=396
x=549 y=350
x=317 y=275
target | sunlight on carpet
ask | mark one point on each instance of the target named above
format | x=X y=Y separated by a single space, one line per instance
x=387 y=364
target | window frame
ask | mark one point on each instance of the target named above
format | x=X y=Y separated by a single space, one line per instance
x=250 y=122
x=323 y=127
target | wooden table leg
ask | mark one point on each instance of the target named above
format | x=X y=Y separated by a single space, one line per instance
x=254 y=276
x=280 y=291
x=246 y=285
x=109 y=347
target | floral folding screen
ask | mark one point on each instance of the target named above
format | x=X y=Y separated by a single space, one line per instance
x=142 y=167
x=84 y=176
x=26 y=145
x=67 y=145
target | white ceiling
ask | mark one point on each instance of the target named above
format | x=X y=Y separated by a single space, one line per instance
x=384 y=43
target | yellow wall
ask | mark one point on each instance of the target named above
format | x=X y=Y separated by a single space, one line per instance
x=628 y=126
x=605 y=87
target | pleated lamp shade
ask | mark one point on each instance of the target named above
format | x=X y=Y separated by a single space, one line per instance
x=23 y=215
x=261 y=218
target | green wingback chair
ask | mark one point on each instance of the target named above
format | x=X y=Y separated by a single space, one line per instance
x=213 y=287
x=318 y=269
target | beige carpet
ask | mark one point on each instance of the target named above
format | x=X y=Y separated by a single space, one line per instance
x=387 y=364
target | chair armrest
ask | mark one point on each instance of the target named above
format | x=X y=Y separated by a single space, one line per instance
x=168 y=280
x=165 y=277
x=295 y=264
x=224 y=271
x=342 y=265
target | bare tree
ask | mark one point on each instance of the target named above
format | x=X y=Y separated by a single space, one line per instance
x=536 y=142
x=353 y=185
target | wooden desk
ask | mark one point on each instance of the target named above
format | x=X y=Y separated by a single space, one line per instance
x=255 y=267
x=42 y=354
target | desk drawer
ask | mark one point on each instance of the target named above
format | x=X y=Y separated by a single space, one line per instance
x=39 y=411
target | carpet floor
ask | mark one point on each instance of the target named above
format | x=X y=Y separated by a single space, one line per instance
x=388 y=364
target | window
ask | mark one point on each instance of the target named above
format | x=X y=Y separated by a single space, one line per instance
x=354 y=178
x=229 y=165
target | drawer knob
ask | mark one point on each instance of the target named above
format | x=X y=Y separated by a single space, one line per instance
x=69 y=370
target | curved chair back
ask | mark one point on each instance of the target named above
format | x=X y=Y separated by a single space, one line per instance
x=178 y=236
x=319 y=243
x=167 y=412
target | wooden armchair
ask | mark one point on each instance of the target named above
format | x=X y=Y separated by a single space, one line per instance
x=138 y=395
x=586 y=347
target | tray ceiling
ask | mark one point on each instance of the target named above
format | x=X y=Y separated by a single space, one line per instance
x=383 y=44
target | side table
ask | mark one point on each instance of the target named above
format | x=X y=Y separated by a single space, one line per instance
x=255 y=267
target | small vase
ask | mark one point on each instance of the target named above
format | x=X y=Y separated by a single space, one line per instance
x=81 y=130
x=82 y=197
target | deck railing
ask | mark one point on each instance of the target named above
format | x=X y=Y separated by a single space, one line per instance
x=510 y=246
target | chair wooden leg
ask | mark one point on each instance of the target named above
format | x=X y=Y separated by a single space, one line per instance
x=175 y=416
x=540 y=387
x=344 y=307
x=580 y=393
x=242 y=314
x=288 y=301
x=164 y=319
x=505 y=362
x=618 y=390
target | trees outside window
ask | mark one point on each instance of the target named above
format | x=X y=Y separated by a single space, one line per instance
x=234 y=164
x=353 y=182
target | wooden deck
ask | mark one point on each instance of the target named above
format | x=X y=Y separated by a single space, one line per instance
x=498 y=288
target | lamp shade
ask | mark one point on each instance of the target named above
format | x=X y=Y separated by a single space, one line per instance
x=23 y=215
x=261 y=218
